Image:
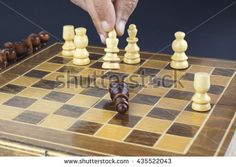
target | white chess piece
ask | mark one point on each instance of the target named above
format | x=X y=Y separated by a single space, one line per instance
x=81 y=55
x=201 y=100
x=179 y=58
x=111 y=59
x=132 y=55
x=68 y=35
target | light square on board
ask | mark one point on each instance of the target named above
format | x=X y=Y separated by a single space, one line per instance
x=219 y=80
x=97 y=115
x=155 y=64
x=34 y=92
x=113 y=132
x=49 y=106
x=197 y=68
x=128 y=68
x=83 y=100
x=25 y=81
x=191 y=118
x=153 y=125
x=185 y=85
x=4 y=97
x=7 y=112
x=138 y=109
x=174 y=143
x=171 y=103
x=57 y=122
x=157 y=91
x=48 y=67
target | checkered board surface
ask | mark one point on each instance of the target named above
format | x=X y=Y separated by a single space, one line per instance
x=40 y=94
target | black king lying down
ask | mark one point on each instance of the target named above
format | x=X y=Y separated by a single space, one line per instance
x=119 y=94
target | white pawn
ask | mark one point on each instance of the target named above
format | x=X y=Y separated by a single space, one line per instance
x=201 y=100
x=68 y=35
x=179 y=59
x=111 y=59
x=132 y=55
x=81 y=55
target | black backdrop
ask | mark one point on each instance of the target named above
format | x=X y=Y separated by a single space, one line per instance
x=157 y=20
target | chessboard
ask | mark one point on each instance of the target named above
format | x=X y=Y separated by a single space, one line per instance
x=47 y=103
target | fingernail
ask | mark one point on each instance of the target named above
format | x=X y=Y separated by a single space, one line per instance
x=105 y=26
x=103 y=39
x=121 y=27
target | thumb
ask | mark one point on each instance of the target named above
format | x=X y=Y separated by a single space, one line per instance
x=124 y=8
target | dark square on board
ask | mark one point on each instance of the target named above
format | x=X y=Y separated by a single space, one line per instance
x=36 y=74
x=125 y=120
x=12 y=89
x=71 y=111
x=85 y=127
x=21 y=102
x=58 y=96
x=143 y=138
x=30 y=117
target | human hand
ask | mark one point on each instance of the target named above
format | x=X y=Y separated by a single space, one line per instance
x=108 y=14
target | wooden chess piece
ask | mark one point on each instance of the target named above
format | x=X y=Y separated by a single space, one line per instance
x=44 y=37
x=111 y=59
x=179 y=58
x=9 y=45
x=29 y=46
x=3 y=60
x=201 y=100
x=35 y=40
x=21 y=49
x=132 y=55
x=81 y=54
x=68 y=35
x=10 y=55
x=119 y=94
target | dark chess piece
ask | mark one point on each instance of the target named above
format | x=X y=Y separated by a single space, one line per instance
x=3 y=60
x=119 y=94
x=29 y=45
x=21 y=49
x=10 y=55
x=9 y=45
x=35 y=40
x=44 y=37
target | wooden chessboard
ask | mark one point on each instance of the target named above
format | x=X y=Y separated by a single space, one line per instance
x=38 y=109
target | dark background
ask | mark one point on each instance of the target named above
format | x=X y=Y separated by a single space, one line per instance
x=157 y=21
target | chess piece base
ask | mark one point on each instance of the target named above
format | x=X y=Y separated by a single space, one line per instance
x=67 y=53
x=132 y=61
x=81 y=62
x=201 y=107
x=111 y=65
x=180 y=65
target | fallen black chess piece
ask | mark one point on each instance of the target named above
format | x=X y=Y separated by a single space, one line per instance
x=119 y=93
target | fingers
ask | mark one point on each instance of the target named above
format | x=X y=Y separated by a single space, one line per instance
x=124 y=8
x=80 y=3
x=103 y=16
